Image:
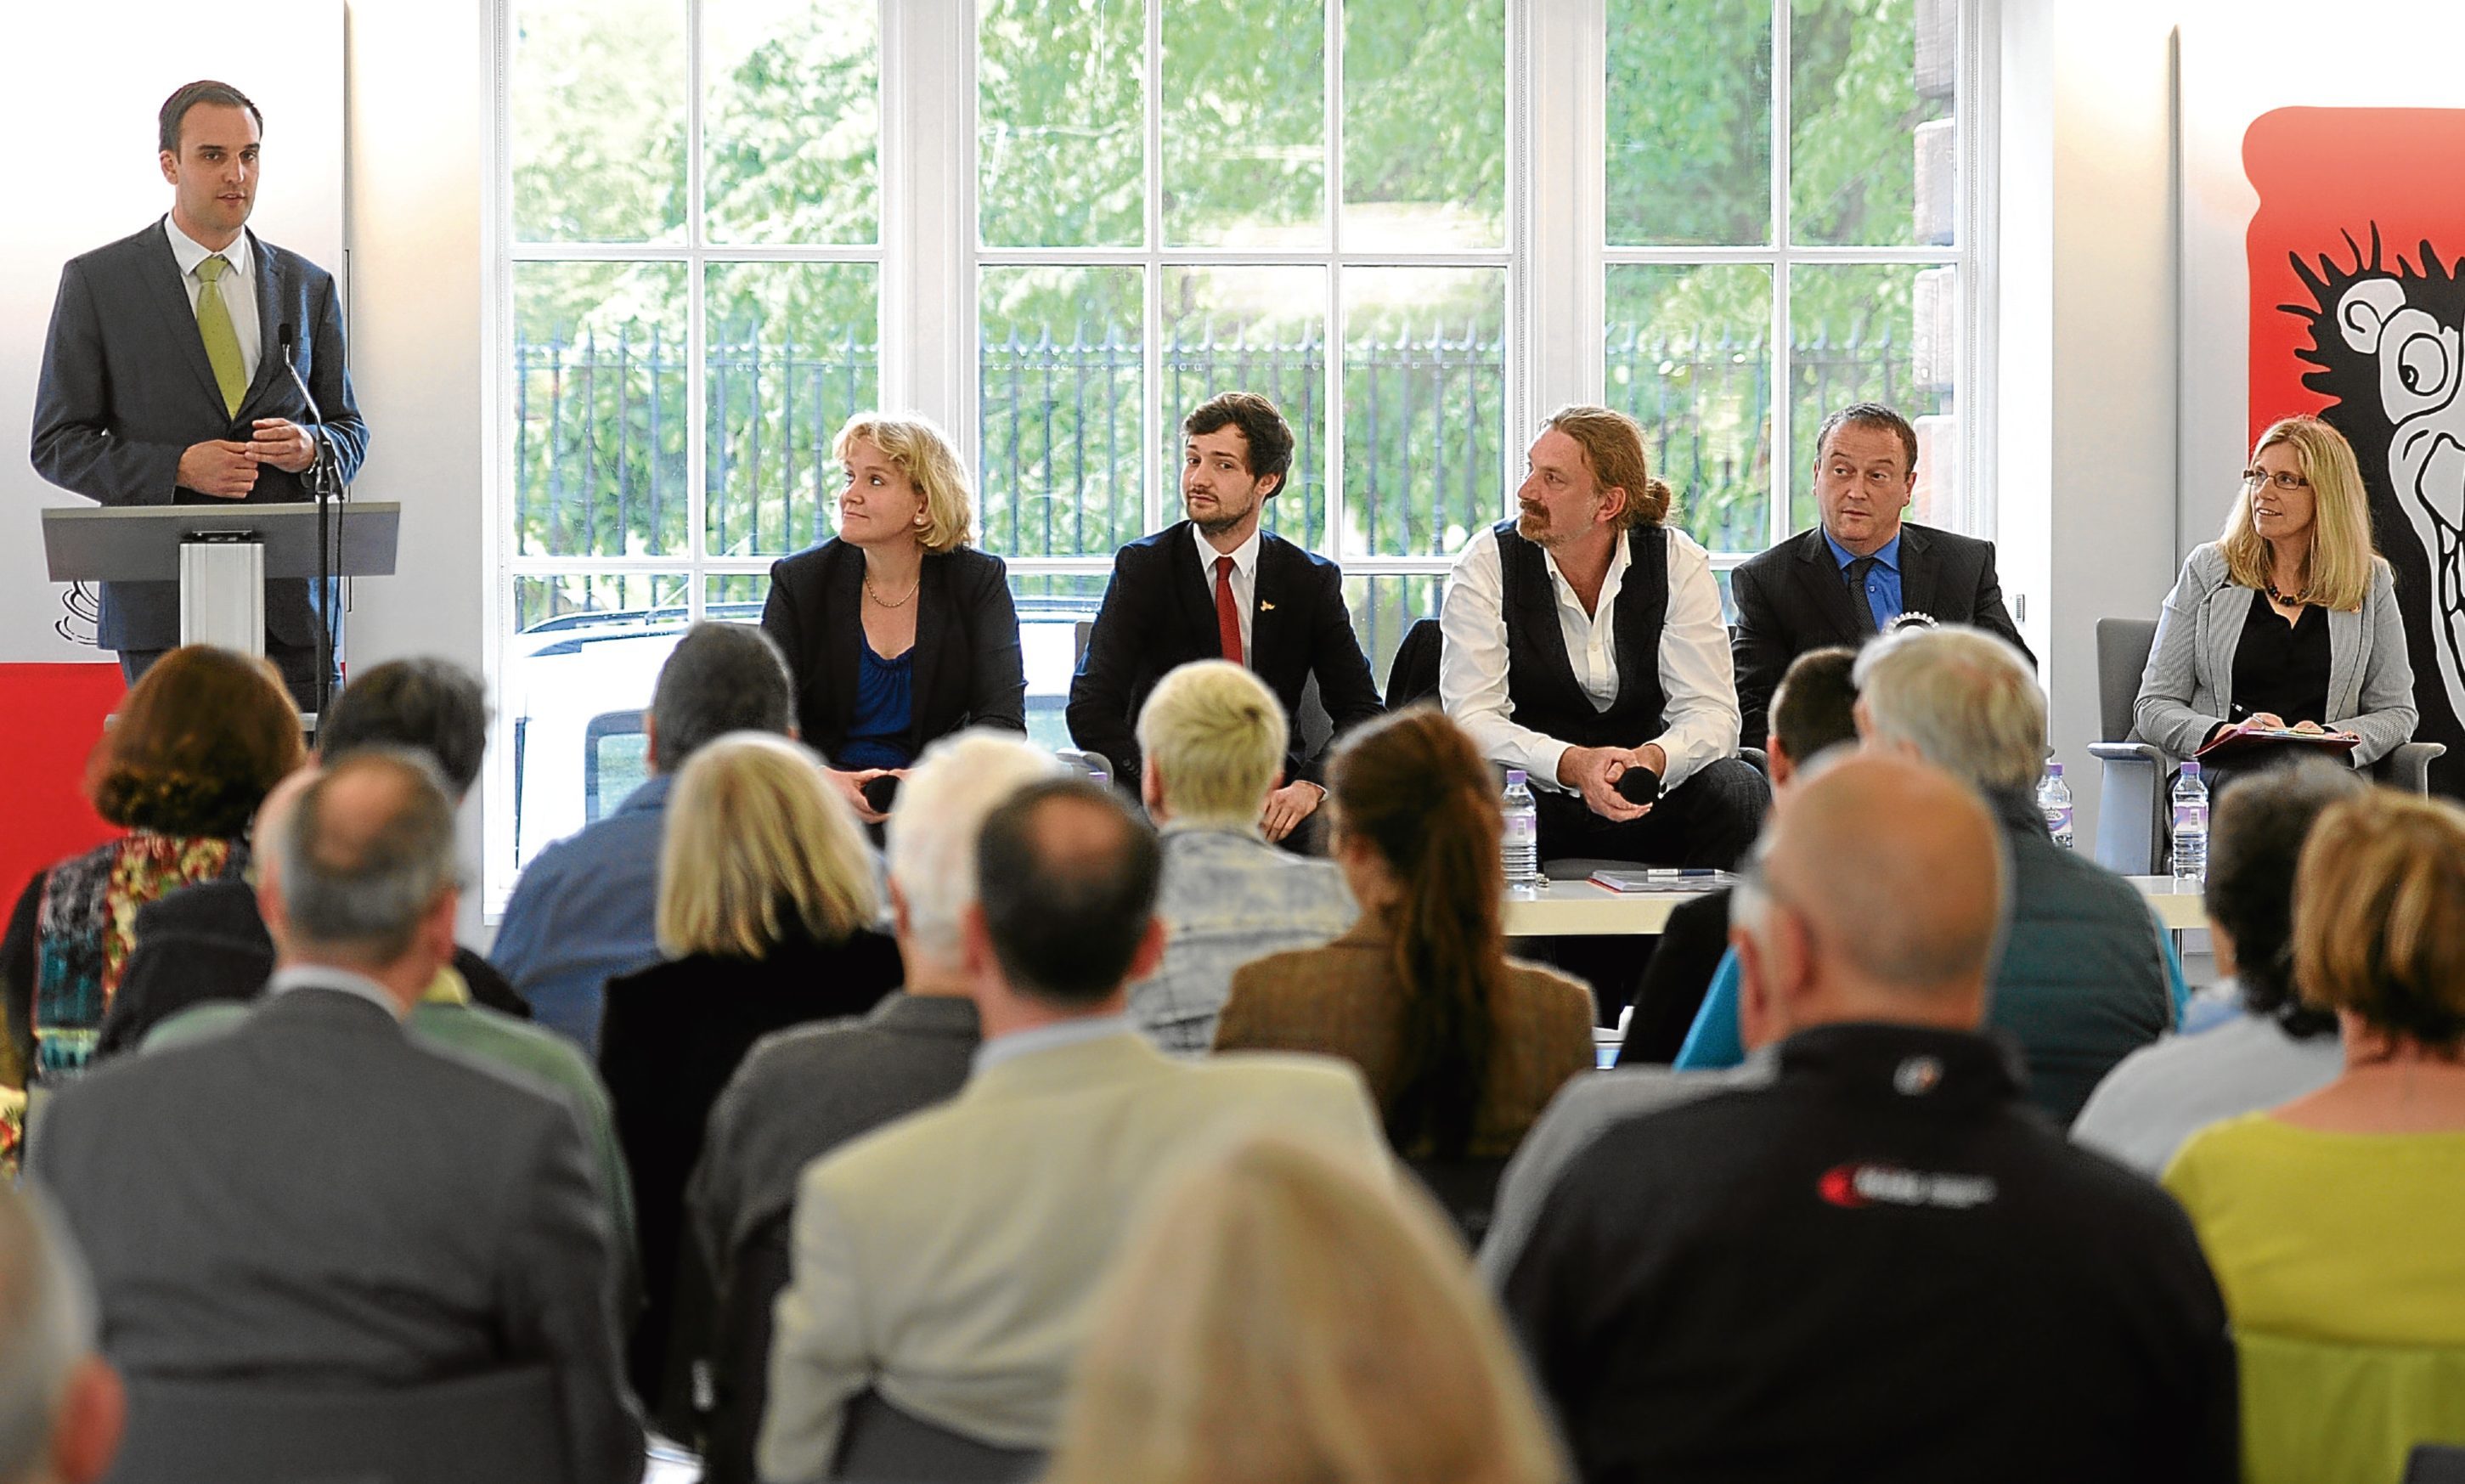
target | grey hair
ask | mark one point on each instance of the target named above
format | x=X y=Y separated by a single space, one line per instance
x=361 y=898
x=720 y=679
x=1964 y=698
x=933 y=828
x=47 y=1326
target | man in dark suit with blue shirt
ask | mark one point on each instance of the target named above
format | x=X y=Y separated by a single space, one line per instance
x=1217 y=587
x=1862 y=567
x=165 y=381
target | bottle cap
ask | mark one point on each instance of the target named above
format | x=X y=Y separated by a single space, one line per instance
x=2053 y=770
x=1514 y=776
x=2191 y=769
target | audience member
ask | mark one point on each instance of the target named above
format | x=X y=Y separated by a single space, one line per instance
x=2276 y=1047
x=947 y=1262
x=1462 y=1045
x=1861 y=568
x=803 y=1092
x=317 y=1198
x=1544 y=615
x=1813 y=708
x=898 y=630
x=2084 y=977
x=61 y=1404
x=1213 y=738
x=765 y=894
x=1882 y=1264
x=195 y=746
x=2336 y=1222
x=206 y=942
x=582 y=911
x=1281 y=1316
x=1217 y=586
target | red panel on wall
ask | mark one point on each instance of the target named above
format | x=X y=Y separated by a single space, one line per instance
x=51 y=716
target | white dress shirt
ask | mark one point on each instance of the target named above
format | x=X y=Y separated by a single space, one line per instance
x=1697 y=682
x=238 y=287
x=1245 y=581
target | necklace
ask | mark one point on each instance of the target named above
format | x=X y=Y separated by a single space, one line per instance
x=2283 y=599
x=880 y=602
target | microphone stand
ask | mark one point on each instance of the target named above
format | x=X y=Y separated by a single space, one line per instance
x=324 y=481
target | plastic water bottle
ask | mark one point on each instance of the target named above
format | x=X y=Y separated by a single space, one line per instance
x=1521 y=844
x=2054 y=802
x=2191 y=828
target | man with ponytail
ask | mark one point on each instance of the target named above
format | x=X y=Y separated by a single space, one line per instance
x=1583 y=643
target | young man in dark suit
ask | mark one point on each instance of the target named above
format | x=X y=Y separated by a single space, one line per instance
x=164 y=379
x=1217 y=587
x=1848 y=578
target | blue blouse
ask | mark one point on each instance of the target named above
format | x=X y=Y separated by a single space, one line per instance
x=885 y=691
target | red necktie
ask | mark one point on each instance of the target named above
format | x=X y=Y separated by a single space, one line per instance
x=1228 y=613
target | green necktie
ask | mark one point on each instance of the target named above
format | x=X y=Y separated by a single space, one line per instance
x=222 y=342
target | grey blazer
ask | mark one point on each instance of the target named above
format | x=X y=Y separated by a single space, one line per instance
x=318 y=1199
x=2187 y=688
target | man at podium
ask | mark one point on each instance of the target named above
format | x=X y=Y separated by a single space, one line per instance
x=165 y=378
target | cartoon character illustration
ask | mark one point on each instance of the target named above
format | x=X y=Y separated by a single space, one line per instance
x=2389 y=348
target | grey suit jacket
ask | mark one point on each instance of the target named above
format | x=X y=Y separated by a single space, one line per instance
x=317 y=1198
x=126 y=389
x=2187 y=688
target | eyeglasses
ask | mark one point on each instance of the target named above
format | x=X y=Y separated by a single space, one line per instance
x=2253 y=479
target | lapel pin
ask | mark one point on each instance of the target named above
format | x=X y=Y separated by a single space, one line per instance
x=1265 y=606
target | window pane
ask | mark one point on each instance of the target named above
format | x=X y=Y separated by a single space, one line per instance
x=791 y=121
x=1251 y=329
x=599 y=408
x=1425 y=124
x=1689 y=102
x=1051 y=607
x=1384 y=610
x=1244 y=123
x=1689 y=358
x=578 y=673
x=791 y=355
x=1424 y=408
x=598 y=103
x=1059 y=411
x=1877 y=333
x=1060 y=122
x=735 y=597
x=1871 y=137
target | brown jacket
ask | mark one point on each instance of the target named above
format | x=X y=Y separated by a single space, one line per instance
x=1341 y=1000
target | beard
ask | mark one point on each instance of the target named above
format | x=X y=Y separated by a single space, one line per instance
x=1223 y=517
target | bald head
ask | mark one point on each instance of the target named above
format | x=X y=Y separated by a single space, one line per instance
x=363 y=859
x=1067 y=887
x=1882 y=894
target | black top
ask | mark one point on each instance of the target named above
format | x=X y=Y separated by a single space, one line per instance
x=1542 y=691
x=1880 y=1267
x=2281 y=667
x=967 y=671
x=1676 y=980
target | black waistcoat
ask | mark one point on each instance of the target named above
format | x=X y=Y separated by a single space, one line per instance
x=1540 y=688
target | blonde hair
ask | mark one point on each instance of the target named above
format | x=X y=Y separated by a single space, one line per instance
x=754 y=834
x=1613 y=445
x=1217 y=736
x=2337 y=570
x=2379 y=915
x=923 y=453
x=1280 y=1315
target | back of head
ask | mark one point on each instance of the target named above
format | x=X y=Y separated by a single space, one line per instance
x=2379 y=917
x=1816 y=705
x=46 y=1329
x=434 y=705
x=1962 y=698
x=2255 y=847
x=933 y=828
x=1415 y=787
x=757 y=844
x=196 y=743
x=1067 y=879
x=1612 y=444
x=720 y=679
x=1215 y=736
x=1278 y=1315
x=365 y=856
x=1896 y=870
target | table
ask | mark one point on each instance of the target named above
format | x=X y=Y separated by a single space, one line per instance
x=1579 y=909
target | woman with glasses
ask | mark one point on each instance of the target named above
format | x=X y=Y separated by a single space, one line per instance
x=2288 y=621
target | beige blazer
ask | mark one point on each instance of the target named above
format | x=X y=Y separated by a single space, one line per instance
x=945 y=1261
x=1343 y=1001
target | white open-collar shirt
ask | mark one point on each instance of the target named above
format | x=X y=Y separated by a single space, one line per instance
x=238 y=289
x=1696 y=679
